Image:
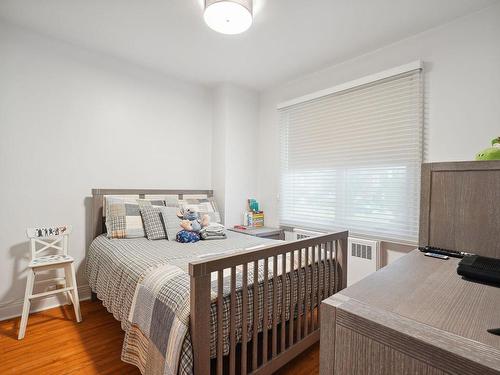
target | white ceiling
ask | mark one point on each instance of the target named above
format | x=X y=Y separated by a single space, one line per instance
x=288 y=37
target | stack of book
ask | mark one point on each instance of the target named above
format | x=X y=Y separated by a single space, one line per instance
x=256 y=219
x=253 y=217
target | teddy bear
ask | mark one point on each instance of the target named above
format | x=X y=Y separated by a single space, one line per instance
x=191 y=221
x=191 y=225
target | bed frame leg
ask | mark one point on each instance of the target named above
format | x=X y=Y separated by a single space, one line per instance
x=93 y=297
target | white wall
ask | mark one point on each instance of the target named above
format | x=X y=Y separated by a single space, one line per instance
x=219 y=108
x=462 y=79
x=236 y=118
x=72 y=120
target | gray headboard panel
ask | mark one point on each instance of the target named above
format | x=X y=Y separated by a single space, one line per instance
x=98 y=201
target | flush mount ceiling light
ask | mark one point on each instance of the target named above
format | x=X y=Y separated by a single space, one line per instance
x=228 y=16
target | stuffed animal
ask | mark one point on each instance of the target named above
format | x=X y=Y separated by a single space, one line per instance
x=491 y=153
x=191 y=222
x=185 y=236
x=191 y=225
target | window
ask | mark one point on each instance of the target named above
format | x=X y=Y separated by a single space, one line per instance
x=351 y=159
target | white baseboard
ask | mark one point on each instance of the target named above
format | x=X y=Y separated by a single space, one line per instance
x=15 y=308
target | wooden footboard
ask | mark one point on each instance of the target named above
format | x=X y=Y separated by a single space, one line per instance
x=321 y=272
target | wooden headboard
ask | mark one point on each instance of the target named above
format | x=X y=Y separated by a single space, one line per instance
x=99 y=194
x=460 y=207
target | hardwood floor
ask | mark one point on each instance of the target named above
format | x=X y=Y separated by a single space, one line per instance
x=55 y=344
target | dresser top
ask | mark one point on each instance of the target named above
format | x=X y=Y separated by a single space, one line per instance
x=429 y=291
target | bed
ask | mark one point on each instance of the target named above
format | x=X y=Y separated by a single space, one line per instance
x=191 y=308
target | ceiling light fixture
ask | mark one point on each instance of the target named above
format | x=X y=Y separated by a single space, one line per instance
x=228 y=16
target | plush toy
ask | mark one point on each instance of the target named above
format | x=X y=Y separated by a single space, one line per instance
x=191 y=222
x=185 y=236
x=191 y=225
x=491 y=153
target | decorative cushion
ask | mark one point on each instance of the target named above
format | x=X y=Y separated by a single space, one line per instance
x=153 y=222
x=185 y=236
x=202 y=206
x=123 y=217
x=171 y=221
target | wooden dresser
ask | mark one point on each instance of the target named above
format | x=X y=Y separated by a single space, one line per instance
x=417 y=315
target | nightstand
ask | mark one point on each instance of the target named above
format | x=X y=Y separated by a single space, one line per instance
x=263 y=232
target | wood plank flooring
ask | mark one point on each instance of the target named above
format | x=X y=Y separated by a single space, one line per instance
x=55 y=344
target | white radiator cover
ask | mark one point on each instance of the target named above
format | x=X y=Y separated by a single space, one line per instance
x=299 y=234
x=363 y=258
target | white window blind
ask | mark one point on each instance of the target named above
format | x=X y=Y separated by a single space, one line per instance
x=352 y=159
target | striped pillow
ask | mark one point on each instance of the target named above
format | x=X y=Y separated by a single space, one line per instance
x=123 y=217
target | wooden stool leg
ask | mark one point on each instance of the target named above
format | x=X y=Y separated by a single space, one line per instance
x=69 y=295
x=71 y=279
x=27 y=303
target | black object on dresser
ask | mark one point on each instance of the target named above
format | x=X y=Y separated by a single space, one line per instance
x=483 y=269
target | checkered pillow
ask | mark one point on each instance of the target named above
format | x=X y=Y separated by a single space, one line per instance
x=202 y=206
x=123 y=217
x=153 y=223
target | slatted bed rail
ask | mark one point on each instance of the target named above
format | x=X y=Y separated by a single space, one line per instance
x=317 y=268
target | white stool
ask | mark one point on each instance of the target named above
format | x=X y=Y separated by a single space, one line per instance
x=50 y=238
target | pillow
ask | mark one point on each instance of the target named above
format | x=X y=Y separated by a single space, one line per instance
x=123 y=216
x=153 y=222
x=202 y=206
x=171 y=221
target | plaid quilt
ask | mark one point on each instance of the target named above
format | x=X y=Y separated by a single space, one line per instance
x=155 y=307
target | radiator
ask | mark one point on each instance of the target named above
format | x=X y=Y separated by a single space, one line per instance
x=363 y=258
x=299 y=234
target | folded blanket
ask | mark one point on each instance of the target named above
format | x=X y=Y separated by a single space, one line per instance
x=208 y=236
x=218 y=231
x=214 y=231
x=214 y=227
